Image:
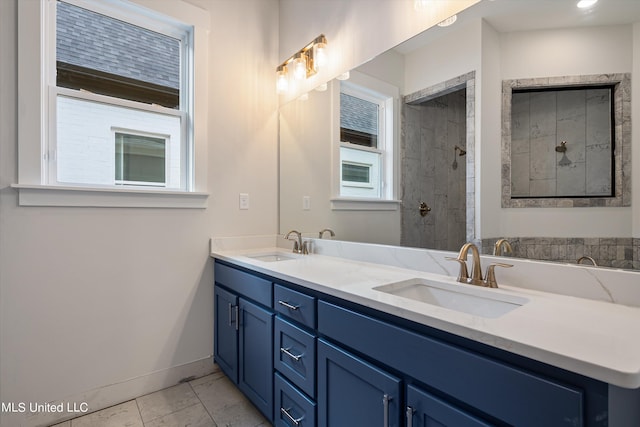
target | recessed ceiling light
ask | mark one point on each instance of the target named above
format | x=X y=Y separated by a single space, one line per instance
x=583 y=4
x=449 y=21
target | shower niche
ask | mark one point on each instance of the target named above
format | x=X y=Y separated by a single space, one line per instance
x=566 y=141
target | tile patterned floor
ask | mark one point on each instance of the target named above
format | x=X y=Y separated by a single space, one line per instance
x=211 y=401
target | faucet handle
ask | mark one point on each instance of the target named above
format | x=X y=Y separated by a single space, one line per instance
x=464 y=273
x=490 y=278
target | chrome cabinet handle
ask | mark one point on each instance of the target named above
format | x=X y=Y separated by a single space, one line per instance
x=385 y=402
x=291 y=355
x=237 y=317
x=410 y=412
x=295 y=421
x=289 y=306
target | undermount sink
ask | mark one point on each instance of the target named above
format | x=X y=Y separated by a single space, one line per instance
x=463 y=298
x=271 y=257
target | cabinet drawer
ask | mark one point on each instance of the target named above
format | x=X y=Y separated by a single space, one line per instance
x=295 y=305
x=295 y=355
x=493 y=387
x=292 y=408
x=245 y=284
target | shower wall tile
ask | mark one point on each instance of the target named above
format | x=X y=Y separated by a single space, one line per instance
x=572 y=180
x=607 y=252
x=598 y=170
x=542 y=187
x=543 y=157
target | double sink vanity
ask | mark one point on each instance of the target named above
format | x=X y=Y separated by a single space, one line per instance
x=358 y=334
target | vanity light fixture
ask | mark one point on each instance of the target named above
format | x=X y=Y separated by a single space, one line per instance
x=583 y=4
x=419 y=5
x=303 y=64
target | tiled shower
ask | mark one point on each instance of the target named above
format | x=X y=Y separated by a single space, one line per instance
x=434 y=172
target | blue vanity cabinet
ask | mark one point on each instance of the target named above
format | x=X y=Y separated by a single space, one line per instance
x=353 y=392
x=225 y=335
x=243 y=333
x=424 y=410
x=255 y=356
x=305 y=358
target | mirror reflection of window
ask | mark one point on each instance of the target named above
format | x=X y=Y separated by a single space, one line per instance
x=363 y=141
x=358 y=120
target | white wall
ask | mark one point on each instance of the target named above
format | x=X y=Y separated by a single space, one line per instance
x=102 y=305
x=451 y=55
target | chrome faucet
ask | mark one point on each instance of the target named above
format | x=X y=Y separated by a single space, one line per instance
x=326 y=230
x=476 y=269
x=587 y=258
x=299 y=247
x=497 y=249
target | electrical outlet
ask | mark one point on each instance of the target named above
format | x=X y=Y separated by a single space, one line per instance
x=244 y=201
x=306 y=203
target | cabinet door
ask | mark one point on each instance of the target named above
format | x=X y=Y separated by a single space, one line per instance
x=352 y=392
x=425 y=410
x=256 y=356
x=225 y=336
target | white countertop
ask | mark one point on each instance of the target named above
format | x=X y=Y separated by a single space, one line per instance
x=593 y=338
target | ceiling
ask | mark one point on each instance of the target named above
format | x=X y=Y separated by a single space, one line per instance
x=528 y=15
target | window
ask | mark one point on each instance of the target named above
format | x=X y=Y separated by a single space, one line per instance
x=116 y=103
x=113 y=73
x=366 y=149
x=140 y=160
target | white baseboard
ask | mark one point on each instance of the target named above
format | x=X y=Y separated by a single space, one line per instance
x=108 y=395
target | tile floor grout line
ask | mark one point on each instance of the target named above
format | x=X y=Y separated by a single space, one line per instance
x=140 y=413
x=202 y=403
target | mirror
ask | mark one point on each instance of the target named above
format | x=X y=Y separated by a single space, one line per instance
x=435 y=196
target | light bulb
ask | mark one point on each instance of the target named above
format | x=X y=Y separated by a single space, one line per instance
x=583 y=4
x=282 y=80
x=420 y=5
x=300 y=67
x=343 y=76
x=320 y=55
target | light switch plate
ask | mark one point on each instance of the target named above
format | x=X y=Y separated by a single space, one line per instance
x=244 y=201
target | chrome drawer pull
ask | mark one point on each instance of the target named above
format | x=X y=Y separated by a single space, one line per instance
x=237 y=309
x=289 y=306
x=385 y=402
x=295 y=421
x=291 y=355
x=410 y=412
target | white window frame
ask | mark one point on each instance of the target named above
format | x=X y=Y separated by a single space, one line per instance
x=388 y=99
x=37 y=91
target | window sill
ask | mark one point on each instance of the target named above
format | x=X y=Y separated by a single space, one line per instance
x=357 y=204
x=47 y=195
